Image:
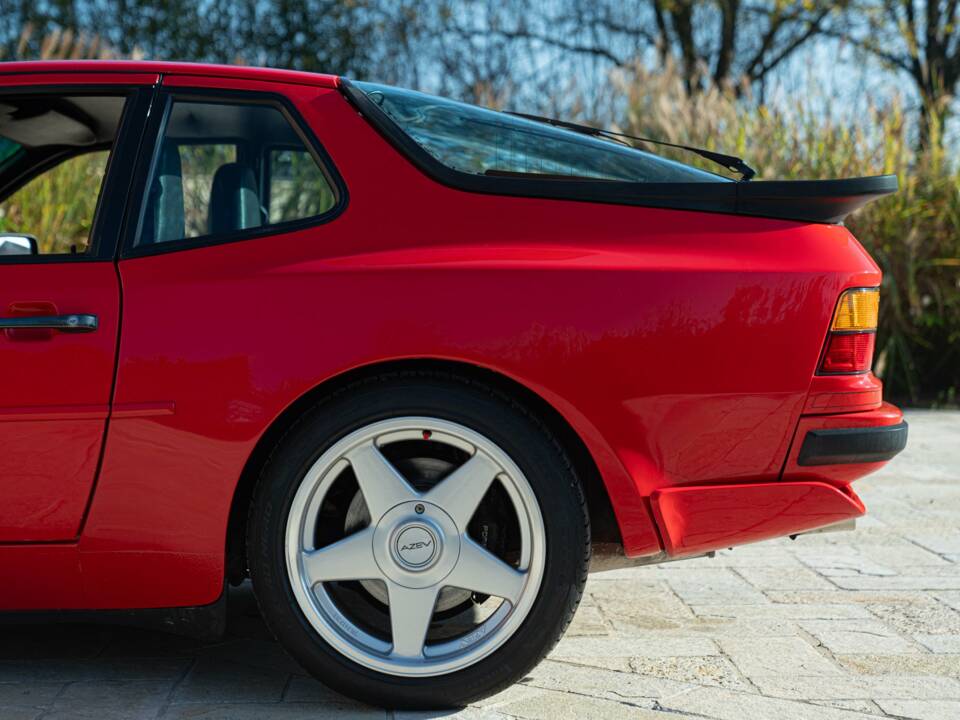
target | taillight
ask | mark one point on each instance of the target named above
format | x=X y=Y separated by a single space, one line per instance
x=853 y=332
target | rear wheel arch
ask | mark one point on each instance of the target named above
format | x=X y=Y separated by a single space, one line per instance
x=603 y=523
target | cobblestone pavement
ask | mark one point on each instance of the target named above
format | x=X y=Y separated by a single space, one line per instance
x=840 y=627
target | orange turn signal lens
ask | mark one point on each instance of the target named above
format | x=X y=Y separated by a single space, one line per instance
x=857 y=310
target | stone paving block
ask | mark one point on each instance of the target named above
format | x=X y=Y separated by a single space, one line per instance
x=588 y=621
x=926 y=664
x=760 y=657
x=715 y=627
x=785 y=611
x=949 y=597
x=568 y=706
x=28 y=694
x=700 y=670
x=844 y=686
x=925 y=578
x=467 y=713
x=256 y=653
x=308 y=690
x=640 y=611
x=562 y=677
x=784 y=578
x=213 y=681
x=721 y=704
x=20 y=713
x=635 y=579
x=123 y=700
x=845 y=597
x=941 y=644
x=922 y=709
x=858 y=637
x=835 y=561
x=96 y=669
x=941 y=543
x=863 y=706
x=579 y=647
x=284 y=711
x=640 y=592
x=922 y=616
x=710 y=587
x=509 y=695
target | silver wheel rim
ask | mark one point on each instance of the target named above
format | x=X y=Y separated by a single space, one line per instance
x=417 y=544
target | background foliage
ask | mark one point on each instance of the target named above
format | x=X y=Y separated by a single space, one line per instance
x=802 y=89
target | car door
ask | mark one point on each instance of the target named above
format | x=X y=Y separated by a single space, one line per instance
x=68 y=143
x=238 y=192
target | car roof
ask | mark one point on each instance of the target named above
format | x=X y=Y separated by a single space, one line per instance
x=168 y=68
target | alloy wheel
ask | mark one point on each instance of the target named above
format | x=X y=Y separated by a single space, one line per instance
x=415 y=588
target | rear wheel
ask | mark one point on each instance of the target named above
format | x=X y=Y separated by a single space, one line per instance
x=418 y=541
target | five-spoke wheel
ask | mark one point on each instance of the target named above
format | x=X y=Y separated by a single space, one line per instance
x=418 y=542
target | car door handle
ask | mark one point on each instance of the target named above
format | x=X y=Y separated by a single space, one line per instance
x=82 y=323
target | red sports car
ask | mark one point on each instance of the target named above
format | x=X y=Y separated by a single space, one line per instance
x=403 y=362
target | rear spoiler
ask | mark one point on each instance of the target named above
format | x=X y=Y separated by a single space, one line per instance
x=820 y=201
x=817 y=201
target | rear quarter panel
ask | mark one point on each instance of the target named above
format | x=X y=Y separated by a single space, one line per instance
x=679 y=345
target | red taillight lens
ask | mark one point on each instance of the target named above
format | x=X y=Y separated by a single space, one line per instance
x=848 y=353
x=853 y=332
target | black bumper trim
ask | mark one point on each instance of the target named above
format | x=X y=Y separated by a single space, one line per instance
x=852 y=445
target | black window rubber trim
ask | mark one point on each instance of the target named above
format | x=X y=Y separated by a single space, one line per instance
x=852 y=445
x=818 y=201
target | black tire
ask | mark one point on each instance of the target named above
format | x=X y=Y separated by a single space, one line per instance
x=531 y=446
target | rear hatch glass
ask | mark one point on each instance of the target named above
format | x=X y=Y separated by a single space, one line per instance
x=478 y=141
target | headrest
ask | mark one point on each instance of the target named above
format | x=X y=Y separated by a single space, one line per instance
x=234 y=202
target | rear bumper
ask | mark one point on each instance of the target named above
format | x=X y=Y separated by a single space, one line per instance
x=852 y=445
x=828 y=452
x=838 y=449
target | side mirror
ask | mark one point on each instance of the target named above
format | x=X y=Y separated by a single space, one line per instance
x=18 y=244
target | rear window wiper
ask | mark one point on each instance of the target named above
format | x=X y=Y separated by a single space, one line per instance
x=729 y=162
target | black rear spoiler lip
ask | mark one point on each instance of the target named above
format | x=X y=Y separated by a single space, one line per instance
x=819 y=201
x=811 y=201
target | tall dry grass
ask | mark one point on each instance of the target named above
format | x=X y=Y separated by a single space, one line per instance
x=914 y=235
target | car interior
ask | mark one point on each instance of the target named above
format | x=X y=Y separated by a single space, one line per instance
x=38 y=134
x=214 y=174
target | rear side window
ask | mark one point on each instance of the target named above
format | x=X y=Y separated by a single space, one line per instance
x=228 y=168
x=478 y=141
x=296 y=187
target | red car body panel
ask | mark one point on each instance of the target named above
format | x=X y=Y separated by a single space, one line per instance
x=52 y=424
x=701 y=519
x=680 y=346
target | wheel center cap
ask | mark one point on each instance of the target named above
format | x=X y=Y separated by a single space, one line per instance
x=416 y=546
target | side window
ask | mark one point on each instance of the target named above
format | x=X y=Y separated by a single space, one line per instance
x=222 y=168
x=295 y=186
x=54 y=151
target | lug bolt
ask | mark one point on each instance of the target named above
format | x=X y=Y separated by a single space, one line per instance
x=419 y=509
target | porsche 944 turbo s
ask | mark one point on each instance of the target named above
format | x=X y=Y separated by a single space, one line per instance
x=403 y=362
